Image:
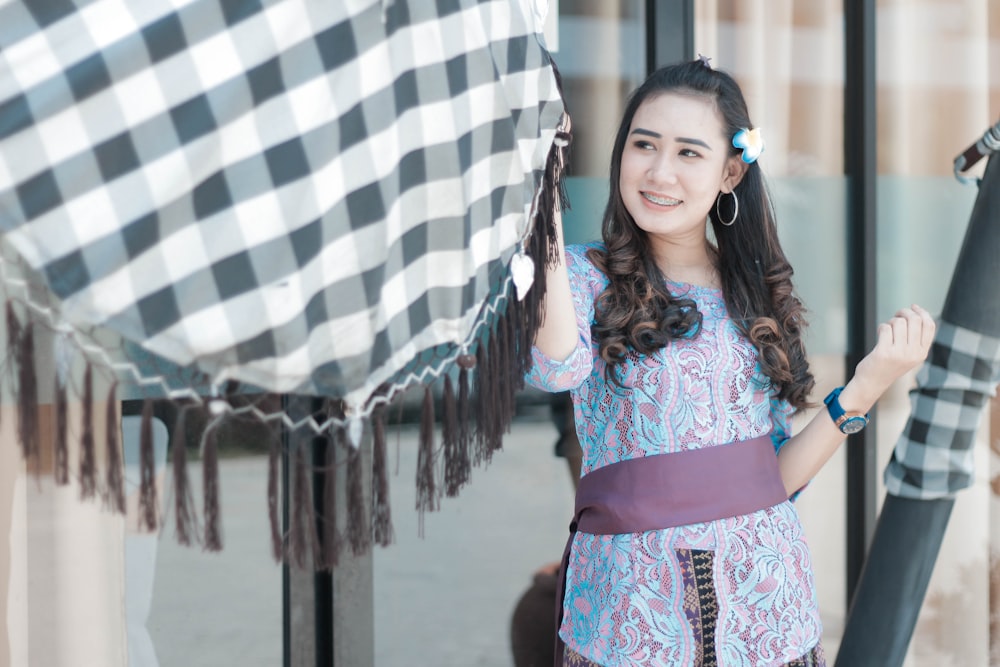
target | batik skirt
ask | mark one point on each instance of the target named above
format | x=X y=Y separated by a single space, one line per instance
x=702 y=608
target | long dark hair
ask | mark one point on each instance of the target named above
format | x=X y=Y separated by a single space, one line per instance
x=638 y=312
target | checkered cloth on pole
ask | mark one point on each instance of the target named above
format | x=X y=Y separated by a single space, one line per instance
x=304 y=196
x=933 y=457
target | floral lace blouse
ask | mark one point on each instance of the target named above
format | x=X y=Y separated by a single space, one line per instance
x=628 y=597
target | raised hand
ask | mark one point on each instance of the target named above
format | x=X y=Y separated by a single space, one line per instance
x=903 y=343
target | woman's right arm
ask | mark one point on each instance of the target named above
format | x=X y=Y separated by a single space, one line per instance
x=558 y=335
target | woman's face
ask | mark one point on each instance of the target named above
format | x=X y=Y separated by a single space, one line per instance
x=675 y=162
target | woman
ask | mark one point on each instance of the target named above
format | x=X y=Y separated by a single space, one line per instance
x=683 y=353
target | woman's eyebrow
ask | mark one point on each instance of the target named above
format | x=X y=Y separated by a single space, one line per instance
x=682 y=140
x=696 y=142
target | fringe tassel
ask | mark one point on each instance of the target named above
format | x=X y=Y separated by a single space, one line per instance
x=525 y=317
x=147 y=467
x=543 y=247
x=504 y=356
x=332 y=539
x=27 y=388
x=183 y=501
x=359 y=531
x=495 y=408
x=302 y=532
x=381 y=510
x=13 y=335
x=62 y=434
x=88 y=459
x=463 y=464
x=426 y=492
x=450 y=435
x=114 y=492
x=210 y=472
x=483 y=396
x=507 y=374
x=273 y=468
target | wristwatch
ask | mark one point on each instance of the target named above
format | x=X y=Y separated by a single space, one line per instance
x=847 y=422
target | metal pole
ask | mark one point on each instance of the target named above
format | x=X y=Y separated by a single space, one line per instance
x=286 y=579
x=861 y=171
x=322 y=579
x=909 y=534
x=669 y=33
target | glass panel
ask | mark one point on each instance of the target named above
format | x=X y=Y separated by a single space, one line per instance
x=788 y=58
x=206 y=609
x=938 y=91
x=596 y=81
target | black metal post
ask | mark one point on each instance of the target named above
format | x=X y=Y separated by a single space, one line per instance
x=910 y=531
x=286 y=579
x=307 y=596
x=322 y=579
x=669 y=32
x=860 y=169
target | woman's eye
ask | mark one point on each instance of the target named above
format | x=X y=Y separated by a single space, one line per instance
x=687 y=152
x=644 y=145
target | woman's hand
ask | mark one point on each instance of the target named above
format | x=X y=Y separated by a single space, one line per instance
x=902 y=345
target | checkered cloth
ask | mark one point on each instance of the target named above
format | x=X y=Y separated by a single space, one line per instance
x=305 y=196
x=933 y=457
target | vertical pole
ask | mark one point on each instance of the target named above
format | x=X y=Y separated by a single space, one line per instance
x=299 y=591
x=352 y=615
x=669 y=32
x=322 y=579
x=910 y=531
x=286 y=581
x=860 y=169
x=328 y=616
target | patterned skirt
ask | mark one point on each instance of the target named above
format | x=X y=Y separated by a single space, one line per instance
x=814 y=658
x=702 y=610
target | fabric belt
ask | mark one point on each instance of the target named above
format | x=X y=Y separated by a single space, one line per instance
x=668 y=490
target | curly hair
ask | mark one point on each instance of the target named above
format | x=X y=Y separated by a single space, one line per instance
x=637 y=311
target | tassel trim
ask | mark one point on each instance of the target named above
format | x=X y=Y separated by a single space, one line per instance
x=114 y=490
x=147 y=469
x=183 y=498
x=62 y=434
x=210 y=489
x=382 y=531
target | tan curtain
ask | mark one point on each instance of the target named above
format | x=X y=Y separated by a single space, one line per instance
x=788 y=58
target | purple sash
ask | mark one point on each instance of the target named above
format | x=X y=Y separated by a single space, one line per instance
x=668 y=490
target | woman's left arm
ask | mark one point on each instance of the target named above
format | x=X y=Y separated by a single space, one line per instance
x=902 y=344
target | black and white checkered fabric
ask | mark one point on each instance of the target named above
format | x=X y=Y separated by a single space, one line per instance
x=933 y=457
x=301 y=195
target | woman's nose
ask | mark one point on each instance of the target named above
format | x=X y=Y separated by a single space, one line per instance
x=663 y=170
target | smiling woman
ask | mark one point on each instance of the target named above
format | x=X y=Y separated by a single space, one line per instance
x=674 y=164
x=685 y=361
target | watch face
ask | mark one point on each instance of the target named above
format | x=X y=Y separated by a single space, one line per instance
x=852 y=425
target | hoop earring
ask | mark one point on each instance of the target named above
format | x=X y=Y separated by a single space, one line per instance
x=736 y=209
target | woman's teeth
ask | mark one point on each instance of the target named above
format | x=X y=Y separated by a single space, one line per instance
x=662 y=201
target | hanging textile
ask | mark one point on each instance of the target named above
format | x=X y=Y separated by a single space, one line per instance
x=216 y=198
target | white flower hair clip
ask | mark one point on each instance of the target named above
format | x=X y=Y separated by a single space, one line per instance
x=751 y=142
